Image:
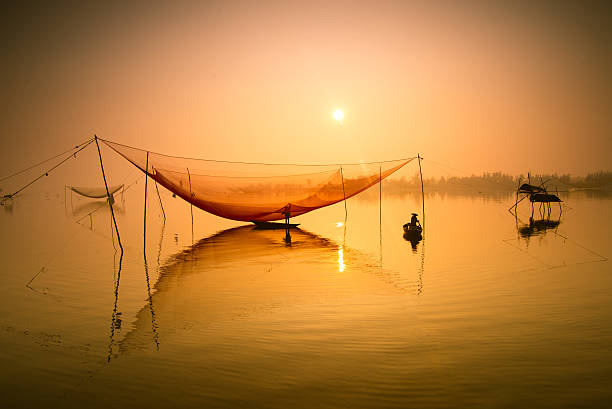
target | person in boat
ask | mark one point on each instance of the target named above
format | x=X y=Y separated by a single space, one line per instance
x=414 y=221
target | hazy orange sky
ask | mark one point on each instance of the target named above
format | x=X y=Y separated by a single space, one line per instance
x=512 y=87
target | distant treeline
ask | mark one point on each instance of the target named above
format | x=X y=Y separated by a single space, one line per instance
x=499 y=182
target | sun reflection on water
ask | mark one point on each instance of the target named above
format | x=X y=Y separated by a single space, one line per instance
x=341 y=265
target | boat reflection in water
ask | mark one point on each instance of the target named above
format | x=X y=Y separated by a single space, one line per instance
x=414 y=235
x=242 y=273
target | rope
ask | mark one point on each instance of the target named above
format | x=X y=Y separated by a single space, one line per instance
x=603 y=258
x=72 y=155
x=256 y=163
x=46 y=160
x=459 y=181
x=449 y=167
x=52 y=258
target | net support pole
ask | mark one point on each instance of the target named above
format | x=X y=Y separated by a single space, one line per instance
x=190 y=203
x=161 y=205
x=422 y=191
x=144 y=235
x=380 y=198
x=344 y=195
x=108 y=196
x=114 y=315
x=380 y=211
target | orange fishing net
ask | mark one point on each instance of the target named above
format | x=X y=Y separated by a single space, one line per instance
x=256 y=191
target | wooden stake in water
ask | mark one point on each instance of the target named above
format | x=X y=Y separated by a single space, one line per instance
x=191 y=204
x=108 y=195
x=144 y=240
x=422 y=192
x=110 y=204
x=380 y=209
x=344 y=194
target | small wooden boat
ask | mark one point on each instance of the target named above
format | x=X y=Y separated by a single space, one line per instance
x=273 y=226
x=412 y=231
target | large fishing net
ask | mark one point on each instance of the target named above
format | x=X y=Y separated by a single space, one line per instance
x=257 y=191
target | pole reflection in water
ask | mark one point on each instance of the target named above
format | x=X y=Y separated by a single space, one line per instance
x=550 y=250
x=150 y=299
x=242 y=271
x=415 y=239
x=115 y=323
x=421 y=270
x=537 y=227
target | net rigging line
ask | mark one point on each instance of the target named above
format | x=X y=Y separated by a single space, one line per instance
x=445 y=169
x=72 y=155
x=258 y=163
x=45 y=161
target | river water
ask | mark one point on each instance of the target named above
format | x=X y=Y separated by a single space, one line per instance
x=485 y=311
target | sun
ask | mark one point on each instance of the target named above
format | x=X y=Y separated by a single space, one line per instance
x=338 y=115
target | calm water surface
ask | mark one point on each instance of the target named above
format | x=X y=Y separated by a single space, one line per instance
x=486 y=311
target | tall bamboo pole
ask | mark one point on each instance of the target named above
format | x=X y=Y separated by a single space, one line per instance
x=190 y=203
x=108 y=196
x=144 y=240
x=344 y=194
x=422 y=192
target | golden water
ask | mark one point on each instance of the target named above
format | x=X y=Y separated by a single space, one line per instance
x=483 y=312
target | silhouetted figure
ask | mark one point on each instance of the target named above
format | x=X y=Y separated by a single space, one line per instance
x=412 y=232
x=287 y=213
x=414 y=221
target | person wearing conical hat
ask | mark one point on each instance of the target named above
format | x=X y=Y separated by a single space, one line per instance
x=414 y=221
